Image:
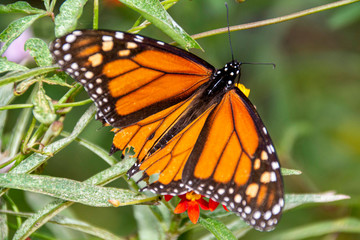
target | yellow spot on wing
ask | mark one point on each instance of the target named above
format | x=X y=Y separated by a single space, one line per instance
x=124 y=53
x=131 y=45
x=252 y=190
x=265 y=177
x=96 y=59
x=257 y=164
x=107 y=46
x=264 y=155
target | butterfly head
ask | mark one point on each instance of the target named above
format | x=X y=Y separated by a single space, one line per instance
x=225 y=78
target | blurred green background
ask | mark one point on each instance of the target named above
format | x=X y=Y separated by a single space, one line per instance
x=310 y=102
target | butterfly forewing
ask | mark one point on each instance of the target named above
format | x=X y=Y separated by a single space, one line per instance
x=128 y=76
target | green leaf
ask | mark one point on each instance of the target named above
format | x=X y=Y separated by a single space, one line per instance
x=153 y=11
x=217 y=228
x=287 y=172
x=4 y=231
x=58 y=79
x=19 y=130
x=39 y=51
x=294 y=200
x=19 y=76
x=55 y=207
x=71 y=190
x=69 y=223
x=19 y=7
x=32 y=162
x=315 y=230
x=43 y=109
x=148 y=226
x=15 y=29
x=85 y=227
x=24 y=85
x=6 y=66
x=6 y=94
x=66 y=20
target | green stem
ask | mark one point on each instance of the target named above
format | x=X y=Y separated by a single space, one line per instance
x=14 y=208
x=52 y=5
x=73 y=104
x=30 y=73
x=16 y=106
x=28 y=135
x=275 y=20
x=69 y=93
x=137 y=27
x=56 y=106
x=96 y=15
x=36 y=136
x=37 y=235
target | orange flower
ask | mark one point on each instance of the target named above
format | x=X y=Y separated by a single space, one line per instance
x=213 y=205
x=191 y=202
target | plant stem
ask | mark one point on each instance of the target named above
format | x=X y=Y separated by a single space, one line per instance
x=275 y=20
x=96 y=15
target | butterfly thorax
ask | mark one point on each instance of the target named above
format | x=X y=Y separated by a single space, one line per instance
x=223 y=79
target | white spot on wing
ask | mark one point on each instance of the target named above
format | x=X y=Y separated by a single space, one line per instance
x=119 y=35
x=66 y=47
x=70 y=38
x=107 y=38
x=275 y=165
x=67 y=57
x=264 y=130
x=276 y=209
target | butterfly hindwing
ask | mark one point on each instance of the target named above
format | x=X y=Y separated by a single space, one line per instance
x=129 y=77
x=234 y=162
x=145 y=133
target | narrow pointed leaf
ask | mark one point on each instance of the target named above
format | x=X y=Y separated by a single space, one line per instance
x=148 y=226
x=66 y=20
x=53 y=208
x=287 y=171
x=4 y=231
x=217 y=228
x=19 y=7
x=15 y=29
x=315 y=230
x=24 y=85
x=6 y=94
x=19 y=76
x=294 y=200
x=6 y=66
x=153 y=11
x=70 y=190
x=68 y=223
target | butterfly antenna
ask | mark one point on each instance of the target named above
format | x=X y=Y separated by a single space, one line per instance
x=228 y=24
x=256 y=63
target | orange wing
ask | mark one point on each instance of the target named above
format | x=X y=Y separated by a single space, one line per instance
x=128 y=76
x=226 y=155
x=144 y=134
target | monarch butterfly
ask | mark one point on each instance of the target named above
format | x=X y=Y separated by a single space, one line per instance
x=187 y=122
